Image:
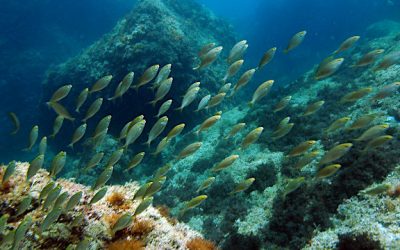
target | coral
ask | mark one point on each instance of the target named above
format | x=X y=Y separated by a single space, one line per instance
x=200 y=244
x=126 y=244
x=141 y=228
x=116 y=199
x=165 y=212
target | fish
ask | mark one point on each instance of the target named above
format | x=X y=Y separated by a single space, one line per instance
x=242 y=186
x=115 y=157
x=60 y=93
x=78 y=134
x=94 y=161
x=102 y=126
x=162 y=90
x=237 y=51
x=378 y=141
x=376 y=190
x=188 y=98
x=134 y=133
x=33 y=136
x=232 y=70
x=279 y=133
x=51 y=217
x=61 y=111
x=43 y=145
x=162 y=75
x=58 y=122
x=292 y=185
x=60 y=200
x=73 y=201
x=136 y=160
x=123 y=222
x=161 y=146
x=155 y=186
x=14 y=119
x=261 y=92
x=175 y=131
x=98 y=195
x=251 y=137
x=235 y=129
x=335 y=153
x=267 y=57
x=355 y=95
x=206 y=48
x=100 y=84
x=328 y=171
x=369 y=58
x=328 y=68
x=164 y=108
x=103 y=177
x=146 y=202
x=386 y=91
x=148 y=75
x=363 y=121
x=196 y=201
x=3 y=223
x=283 y=123
x=51 y=197
x=206 y=183
x=34 y=166
x=388 y=60
x=372 y=132
x=93 y=109
x=193 y=85
x=81 y=99
x=189 y=150
x=307 y=159
x=225 y=88
x=142 y=191
x=46 y=190
x=347 y=44
x=123 y=86
x=313 y=107
x=228 y=161
x=208 y=123
x=160 y=172
x=301 y=148
x=125 y=129
x=282 y=104
x=216 y=100
x=244 y=79
x=83 y=244
x=21 y=231
x=203 y=103
x=295 y=41
x=209 y=58
x=9 y=171
x=157 y=129
x=338 y=124
x=58 y=163
x=24 y=205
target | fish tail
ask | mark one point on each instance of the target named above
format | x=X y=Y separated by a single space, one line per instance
x=111 y=98
x=179 y=109
x=26 y=149
x=250 y=104
x=285 y=51
x=77 y=111
x=71 y=146
x=153 y=103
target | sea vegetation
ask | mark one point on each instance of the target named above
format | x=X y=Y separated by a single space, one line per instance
x=286 y=177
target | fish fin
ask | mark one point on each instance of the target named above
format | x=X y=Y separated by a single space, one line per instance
x=111 y=98
x=179 y=109
x=153 y=103
x=136 y=88
x=71 y=146
x=196 y=68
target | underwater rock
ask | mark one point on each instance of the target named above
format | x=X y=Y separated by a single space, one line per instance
x=151 y=228
x=155 y=32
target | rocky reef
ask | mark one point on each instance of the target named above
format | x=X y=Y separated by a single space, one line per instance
x=152 y=229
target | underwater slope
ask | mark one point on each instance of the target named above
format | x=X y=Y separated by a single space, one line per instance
x=155 y=32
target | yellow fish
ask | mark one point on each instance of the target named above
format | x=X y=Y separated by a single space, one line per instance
x=386 y=91
x=175 y=131
x=347 y=44
x=81 y=99
x=242 y=186
x=307 y=159
x=267 y=57
x=251 y=137
x=93 y=109
x=209 y=58
x=363 y=121
x=208 y=123
x=215 y=100
x=328 y=68
x=147 y=76
x=378 y=141
x=389 y=60
x=61 y=110
x=295 y=41
x=369 y=58
x=261 y=92
x=237 y=51
x=60 y=93
x=281 y=132
x=244 y=79
x=339 y=123
x=313 y=107
x=225 y=163
x=235 y=129
x=372 y=132
x=301 y=148
x=328 y=170
x=15 y=121
x=335 y=153
x=232 y=70
x=356 y=95
x=101 y=84
x=58 y=122
x=282 y=103
x=189 y=150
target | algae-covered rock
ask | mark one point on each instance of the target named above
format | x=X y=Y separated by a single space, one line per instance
x=154 y=32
